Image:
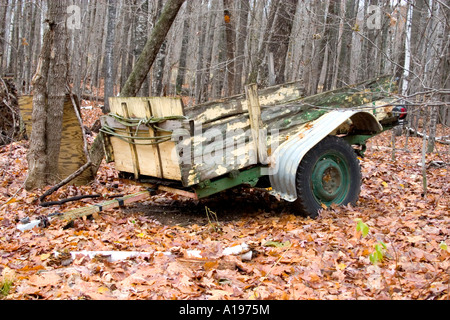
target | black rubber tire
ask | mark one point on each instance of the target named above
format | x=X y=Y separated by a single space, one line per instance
x=349 y=185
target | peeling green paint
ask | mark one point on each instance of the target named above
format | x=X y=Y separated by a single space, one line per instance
x=208 y=188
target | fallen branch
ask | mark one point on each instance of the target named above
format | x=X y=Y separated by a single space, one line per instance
x=440 y=140
x=111 y=256
x=65 y=181
x=60 y=202
x=188 y=255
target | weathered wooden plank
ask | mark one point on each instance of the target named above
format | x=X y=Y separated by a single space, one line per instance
x=166 y=107
x=26 y=112
x=83 y=212
x=354 y=95
x=162 y=108
x=122 y=153
x=256 y=123
x=134 y=154
x=216 y=150
x=153 y=160
x=138 y=107
x=215 y=110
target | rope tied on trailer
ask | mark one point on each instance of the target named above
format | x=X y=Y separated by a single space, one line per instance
x=152 y=123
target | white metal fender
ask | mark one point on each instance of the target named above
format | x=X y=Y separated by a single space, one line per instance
x=288 y=156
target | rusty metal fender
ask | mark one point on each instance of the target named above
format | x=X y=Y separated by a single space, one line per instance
x=288 y=156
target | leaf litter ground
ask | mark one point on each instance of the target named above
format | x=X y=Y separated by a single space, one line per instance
x=291 y=257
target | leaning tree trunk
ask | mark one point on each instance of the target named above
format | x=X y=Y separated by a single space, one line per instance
x=49 y=85
x=151 y=49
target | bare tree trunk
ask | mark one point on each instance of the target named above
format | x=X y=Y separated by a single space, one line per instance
x=279 y=44
x=258 y=59
x=126 y=46
x=160 y=61
x=48 y=102
x=217 y=58
x=339 y=47
x=434 y=114
x=12 y=68
x=148 y=56
x=241 y=40
x=406 y=73
x=37 y=158
x=98 y=28
x=109 y=55
x=357 y=41
x=141 y=35
x=230 y=27
x=205 y=55
x=318 y=49
x=30 y=39
x=184 y=50
x=436 y=63
x=3 y=11
x=82 y=44
x=199 y=94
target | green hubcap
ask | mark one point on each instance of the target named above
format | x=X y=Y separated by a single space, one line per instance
x=330 y=179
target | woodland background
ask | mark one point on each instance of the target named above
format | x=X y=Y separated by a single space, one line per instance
x=216 y=46
x=393 y=245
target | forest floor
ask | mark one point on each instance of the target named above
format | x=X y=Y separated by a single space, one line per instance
x=392 y=245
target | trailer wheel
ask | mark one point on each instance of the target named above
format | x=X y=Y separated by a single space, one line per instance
x=329 y=174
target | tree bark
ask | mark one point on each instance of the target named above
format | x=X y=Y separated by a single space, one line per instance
x=109 y=55
x=202 y=30
x=12 y=68
x=240 y=48
x=48 y=101
x=356 y=45
x=230 y=35
x=3 y=11
x=184 y=50
x=217 y=60
x=148 y=56
x=279 y=45
x=406 y=72
x=141 y=35
x=259 y=57
x=339 y=46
